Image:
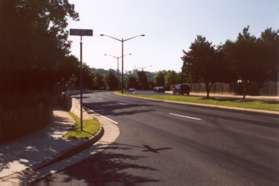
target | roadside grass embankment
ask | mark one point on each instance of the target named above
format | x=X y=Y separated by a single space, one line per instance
x=221 y=102
x=90 y=128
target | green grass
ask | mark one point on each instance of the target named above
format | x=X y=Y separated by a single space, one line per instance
x=90 y=128
x=227 y=102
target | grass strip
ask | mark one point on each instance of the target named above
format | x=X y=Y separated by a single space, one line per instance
x=90 y=128
x=227 y=102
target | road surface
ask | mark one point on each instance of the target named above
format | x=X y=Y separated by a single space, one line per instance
x=172 y=144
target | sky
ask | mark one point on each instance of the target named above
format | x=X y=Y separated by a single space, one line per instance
x=170 y=27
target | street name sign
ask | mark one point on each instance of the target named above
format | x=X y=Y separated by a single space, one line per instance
x=81 y=32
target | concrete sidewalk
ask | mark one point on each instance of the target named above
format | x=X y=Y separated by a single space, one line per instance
x=27 y=177
x=36 y=148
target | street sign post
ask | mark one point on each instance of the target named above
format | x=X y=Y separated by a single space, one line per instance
x=81 y=33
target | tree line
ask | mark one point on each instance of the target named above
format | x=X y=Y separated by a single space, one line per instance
x=101 y=79
x=144 y=80
x=34 y=50
x=245 y=63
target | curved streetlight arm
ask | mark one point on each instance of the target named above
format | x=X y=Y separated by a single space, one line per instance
x=142 y=35
x=105 y=35
x=127 y=54
x=116 y=57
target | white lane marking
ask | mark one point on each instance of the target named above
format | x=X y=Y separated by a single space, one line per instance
x=107 y=118
x=183 y=116
x=127 y=103
x=123 y=104
x=115 y=122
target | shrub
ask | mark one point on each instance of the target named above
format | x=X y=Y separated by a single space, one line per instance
x=22 y=115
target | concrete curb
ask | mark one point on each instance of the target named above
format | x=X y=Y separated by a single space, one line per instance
x=73 y=150
x=254 y=111
x=105 y=140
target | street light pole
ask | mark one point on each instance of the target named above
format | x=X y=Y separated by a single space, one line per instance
x=122 y=49
x=118 y=66
x=122 y=71
x=118 y=60
x=81 y=86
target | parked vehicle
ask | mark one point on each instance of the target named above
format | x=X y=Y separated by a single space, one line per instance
x=181 y=89
x=159 y=89
x=132 y=90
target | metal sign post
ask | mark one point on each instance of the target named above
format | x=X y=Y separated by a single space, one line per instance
x=81 y=32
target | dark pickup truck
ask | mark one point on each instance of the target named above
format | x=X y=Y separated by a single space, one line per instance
x=181 y=89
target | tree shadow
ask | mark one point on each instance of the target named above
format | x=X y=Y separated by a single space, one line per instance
x=270 y=101
x=114 y=166
x=154 y=150
x=224 y=99
x=115 y=108
x=239 y=100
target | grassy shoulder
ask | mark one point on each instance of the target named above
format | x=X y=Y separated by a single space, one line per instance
x=90 y=128
x=225 y=102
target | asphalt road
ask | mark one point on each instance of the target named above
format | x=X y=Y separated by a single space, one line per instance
x=171 y=144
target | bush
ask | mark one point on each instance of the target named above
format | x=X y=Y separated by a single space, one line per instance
x=64 y=101
x=22 y=115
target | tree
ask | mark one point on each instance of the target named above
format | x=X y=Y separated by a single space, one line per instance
x=226 y=72
x=142 y=80
x=69 y=73
x=171 y=78
x=99 y=82
x=33 y=42
x=186 y=71
x=269 y=42
x=132 y=82
x=88 y=77
x=248 y=57
x=202 y=62
x=111 y=80
x=34 y=45
x=160 y=79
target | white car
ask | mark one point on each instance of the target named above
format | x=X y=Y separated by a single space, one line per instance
x=132 y=90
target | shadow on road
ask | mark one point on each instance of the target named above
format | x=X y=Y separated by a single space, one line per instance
x=114 y=166
x=237 y=100
x=115 y=108
x=154 y=150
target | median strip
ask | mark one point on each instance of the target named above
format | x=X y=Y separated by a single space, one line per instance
x=255 y=106
x=184 y=116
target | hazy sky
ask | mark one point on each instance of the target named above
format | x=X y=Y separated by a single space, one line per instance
x=170 y=26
